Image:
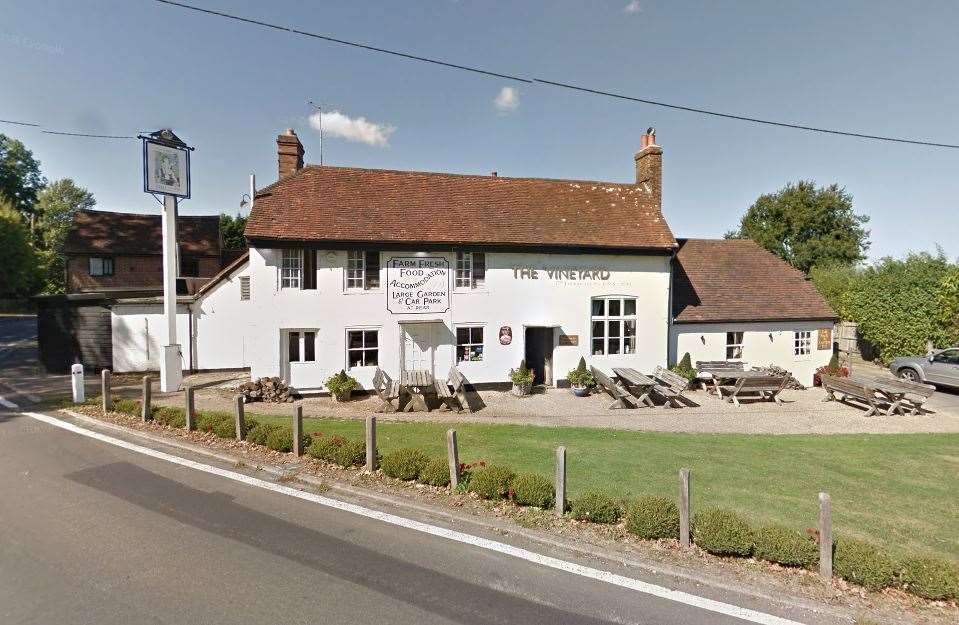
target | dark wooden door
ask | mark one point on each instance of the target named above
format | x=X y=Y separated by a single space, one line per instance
x=539 y=353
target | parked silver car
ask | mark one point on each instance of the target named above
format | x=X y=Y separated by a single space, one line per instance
x=940 y=367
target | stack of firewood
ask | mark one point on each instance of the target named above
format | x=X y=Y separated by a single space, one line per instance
x=266 y=389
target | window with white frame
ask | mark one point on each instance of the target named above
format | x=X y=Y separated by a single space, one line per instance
x=101 y=266
x=469 y=343
x=802 y=342
x=291 y=269
x=362 y=270
x=470 y=270
x=734 y=345
x=614 y=325
x=301 y=346
x=362 y=348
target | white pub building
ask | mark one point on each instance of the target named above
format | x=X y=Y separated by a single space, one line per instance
x=355 y=269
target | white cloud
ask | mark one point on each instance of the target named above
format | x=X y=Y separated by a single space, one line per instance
x=507 y=100
x=359 y=129
x=633 y=7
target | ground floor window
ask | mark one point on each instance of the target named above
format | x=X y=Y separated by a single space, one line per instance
x=802 y=342
x=613 y=325
x=362 y=348
x=101 y=266
x=301 y=346
x=469 y=343
x=734 y=346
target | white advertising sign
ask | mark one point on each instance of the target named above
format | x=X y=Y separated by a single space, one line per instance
x=166 y=169
x=418 y=284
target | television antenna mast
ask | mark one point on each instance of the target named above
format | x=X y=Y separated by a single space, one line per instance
x=319 y=109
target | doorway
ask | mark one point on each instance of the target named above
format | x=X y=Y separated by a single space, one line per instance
x=539 y=354
x=419 y=346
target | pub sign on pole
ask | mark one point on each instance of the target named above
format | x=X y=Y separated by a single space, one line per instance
x=166 y=164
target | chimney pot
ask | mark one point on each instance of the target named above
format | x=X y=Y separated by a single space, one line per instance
x=289 y=153
x=649 y=166
x=493 y=174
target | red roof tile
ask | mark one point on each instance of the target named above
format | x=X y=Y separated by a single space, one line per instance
x=344 y=204
x=103 y=232
x=737 y=280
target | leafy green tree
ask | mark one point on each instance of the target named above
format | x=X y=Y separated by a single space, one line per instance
x=807 y=225
x=948 y=304
x=17 y=257
x=20 y=178
x=231 y=229
x=56 y=206
x=834 y=282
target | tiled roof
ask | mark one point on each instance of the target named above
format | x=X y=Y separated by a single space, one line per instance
x=737 y=280
x=102 y=232
x=344 y=204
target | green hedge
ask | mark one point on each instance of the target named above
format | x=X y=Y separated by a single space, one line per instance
x=532 y=489
x=405 y=464
x=170 y=416
x=595 y=507
x=930 y=578
x=785 y=546
x=722 y=532
x=491 y=482
x=653 y=518
x=862 y=563
x=436 y=472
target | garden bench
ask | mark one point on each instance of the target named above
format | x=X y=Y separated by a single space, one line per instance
x=670 y=386
x=859 y=390
x=767 y=387
x=451 y=392
x=615 y=390
x=916 y=393
x=708 y=366
x=386 y=389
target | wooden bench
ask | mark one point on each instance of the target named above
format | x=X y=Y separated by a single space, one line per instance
x=857 y=390
x=451 y=390
x=916 y=394
x=766 y=387
x=623 y=398
x=386 y=389
x=670 y=386
x=719 y=365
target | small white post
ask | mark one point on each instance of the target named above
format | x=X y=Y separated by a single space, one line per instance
x=559 y=485
x=684 y=507
x=453 y=459
x=76 y=380
x=171 y=372
x=371 y=443
x=825 y=536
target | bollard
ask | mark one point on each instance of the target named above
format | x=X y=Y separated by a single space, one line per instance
x=825 y=536
x=371 y=443
x=453 y=456
x=189 y=408
x=684 y=507
x=105 y=390
x=560 y=485
x=238 y=413
x=298 y=430
x=76 y=381
x=145 y=410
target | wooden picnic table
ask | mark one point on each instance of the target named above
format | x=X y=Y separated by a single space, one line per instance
x=890 y=390
x=636 y=383
x=730 y=376
x=416 y=384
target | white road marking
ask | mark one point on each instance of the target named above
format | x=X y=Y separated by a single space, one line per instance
x=6 y=403
x=695 y=601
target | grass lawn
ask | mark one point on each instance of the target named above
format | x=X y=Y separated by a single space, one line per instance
x=900 y=490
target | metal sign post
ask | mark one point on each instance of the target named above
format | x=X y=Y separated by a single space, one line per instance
x=166 y=170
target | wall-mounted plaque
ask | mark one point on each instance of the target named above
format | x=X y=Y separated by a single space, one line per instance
x=825 y=338
x=569 y=339
x=505 y=335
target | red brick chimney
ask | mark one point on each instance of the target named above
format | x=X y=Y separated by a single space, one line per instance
x=649 y=166
x=289 y=153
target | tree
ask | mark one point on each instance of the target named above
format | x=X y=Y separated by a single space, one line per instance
x=20 y=179
x=231 y=229
x=17 y=257
x=807 y=225
x=55 y=208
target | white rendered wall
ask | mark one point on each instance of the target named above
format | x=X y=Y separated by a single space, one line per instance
x=139 y=334
x=764 y=343
x=506 y=300
x=222 y=324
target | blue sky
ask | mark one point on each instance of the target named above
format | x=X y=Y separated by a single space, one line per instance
x=118 y=67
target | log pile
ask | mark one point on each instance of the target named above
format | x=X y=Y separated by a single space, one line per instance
x=266 y=389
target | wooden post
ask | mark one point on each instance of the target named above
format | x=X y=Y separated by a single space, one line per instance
x=190 y=408
x=684 y=507
x=453 y=456
x=371 y=443
x=105 y=390
x=298 y=430
x=145 y=410
x=825 y=536
x=560 y=482
x=238 y=412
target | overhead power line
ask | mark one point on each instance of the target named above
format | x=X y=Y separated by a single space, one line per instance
x=10 y=121
x=62 y=132
x=564 y=85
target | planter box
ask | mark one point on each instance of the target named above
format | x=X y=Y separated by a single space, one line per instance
x=522 y=390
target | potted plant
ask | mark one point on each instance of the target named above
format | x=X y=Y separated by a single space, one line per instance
x=832 y=369
x=522 y=379
x=341 y=386
x=580 y=379
x=685 y=368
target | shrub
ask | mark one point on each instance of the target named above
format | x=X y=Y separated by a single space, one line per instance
x=260 y=433
x=436 y=472
x=862 y=563
x=522 y=376
x=405 y=464
x=350 y=453
x=596 y=507
x=785 y=546
x=170 y=415
x=491 y=482
x=532 y=489
x=581 y=376
x=341 y=383
x=325 y=447
x=930 y=578
x=224 y=428
x=127 y=406
x=653 y=517
x=280 y=438
x=722 y=532
x=685 y=368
